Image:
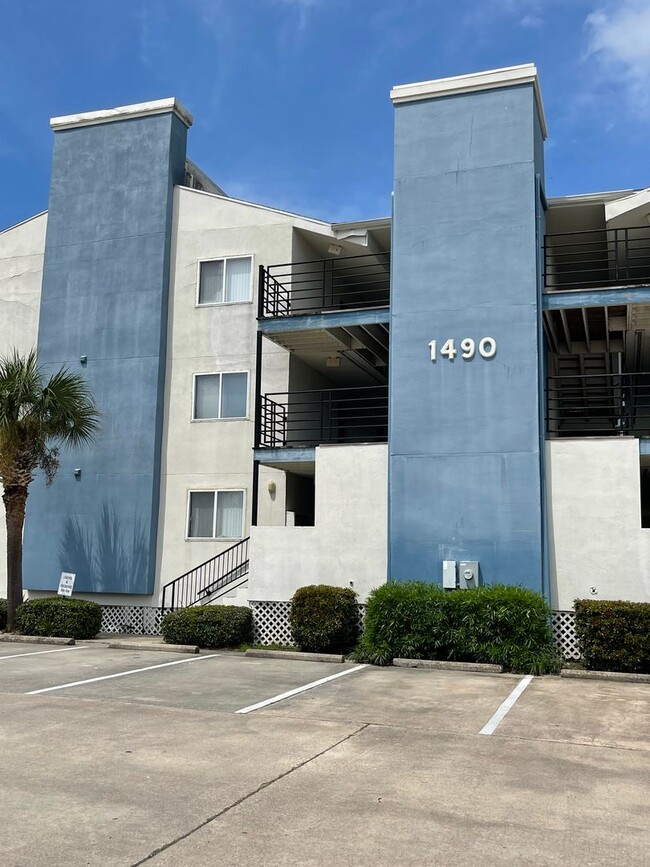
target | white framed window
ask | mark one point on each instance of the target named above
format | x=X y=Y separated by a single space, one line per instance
x=215 y=514
x=220 y=395
x=225 y=281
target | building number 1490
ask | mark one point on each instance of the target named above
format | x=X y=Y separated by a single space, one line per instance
x=487 y=348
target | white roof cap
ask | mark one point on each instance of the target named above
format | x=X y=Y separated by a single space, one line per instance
x=489 y=80
x=123 y=112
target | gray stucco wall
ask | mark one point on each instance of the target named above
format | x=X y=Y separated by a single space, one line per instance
x=104 y=295
x=465 y=462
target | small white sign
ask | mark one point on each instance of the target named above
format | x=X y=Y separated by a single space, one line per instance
x=66 y=583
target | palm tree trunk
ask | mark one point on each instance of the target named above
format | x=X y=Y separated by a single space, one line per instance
x=15 y=499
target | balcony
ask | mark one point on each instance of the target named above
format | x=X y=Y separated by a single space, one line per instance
x=309 y=418
x=598 y=405
x=325 y=285
x=597 y=259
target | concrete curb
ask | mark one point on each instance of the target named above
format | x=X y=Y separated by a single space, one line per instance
x=34 y=639
x=624 y=676
x=444 y=665
x=148 y=645
x=296 y=654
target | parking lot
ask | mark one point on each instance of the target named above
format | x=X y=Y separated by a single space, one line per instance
x=128 y=757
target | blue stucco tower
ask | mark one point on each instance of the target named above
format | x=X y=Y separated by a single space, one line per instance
x=104 y=314
x=466 y=433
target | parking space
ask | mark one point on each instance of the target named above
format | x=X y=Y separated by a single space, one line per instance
x=431 y=700
x=33 y=668
x=125 y=757
x=219 y=682
x=588 y=712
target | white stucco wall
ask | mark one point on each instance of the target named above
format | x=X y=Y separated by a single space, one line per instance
x=349 y=540
x=21 y=273
x=594 y=521
x=215 y=455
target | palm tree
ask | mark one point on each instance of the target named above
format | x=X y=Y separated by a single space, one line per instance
x=38 y=415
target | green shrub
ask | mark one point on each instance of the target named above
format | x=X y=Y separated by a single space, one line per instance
x=614 y=636
x=509 y=626
x=209 y=626
x=68 y=618
x=324 y=619
x=3 y=614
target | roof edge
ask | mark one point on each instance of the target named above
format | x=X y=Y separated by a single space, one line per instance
x=123 y=112
x=490 y=79
x=22 y=222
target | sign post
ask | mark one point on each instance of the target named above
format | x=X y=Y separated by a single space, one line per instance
x=66 y=583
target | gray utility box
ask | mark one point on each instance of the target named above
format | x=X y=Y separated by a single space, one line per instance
x=468 y=574
x=449 y=574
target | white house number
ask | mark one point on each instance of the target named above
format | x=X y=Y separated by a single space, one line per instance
x=487 y=348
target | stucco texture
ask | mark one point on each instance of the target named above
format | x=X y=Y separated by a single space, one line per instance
x=347 y=545
x=104 y=296
x=594 y=517
x=465 y=462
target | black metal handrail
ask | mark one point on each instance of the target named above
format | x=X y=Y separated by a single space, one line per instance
x=334 y=415
x=200 y=583
x=347 y=283
x=612 y=404
x=597 y=258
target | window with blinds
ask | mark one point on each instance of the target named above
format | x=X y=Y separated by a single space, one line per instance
x=225 y=281
x=215 y=515
x=220 y=395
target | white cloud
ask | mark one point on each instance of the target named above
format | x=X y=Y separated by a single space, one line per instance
x=619 y=39
x=532 y=22
x=529 y=13
x=301 y=8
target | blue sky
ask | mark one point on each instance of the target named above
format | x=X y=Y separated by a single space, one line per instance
x=290 y=97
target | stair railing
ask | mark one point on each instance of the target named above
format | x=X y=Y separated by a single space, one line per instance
x=204 y=580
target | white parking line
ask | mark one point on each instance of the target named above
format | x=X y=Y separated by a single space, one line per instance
x=491 y=725
x=120 y=674
x=38 y=652
x=282 y=696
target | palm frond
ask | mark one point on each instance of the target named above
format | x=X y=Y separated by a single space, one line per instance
x=20 y=386
x=68 y=410
x=39 y=414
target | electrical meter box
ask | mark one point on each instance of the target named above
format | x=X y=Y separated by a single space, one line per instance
x=468 y=574
x=449 y=574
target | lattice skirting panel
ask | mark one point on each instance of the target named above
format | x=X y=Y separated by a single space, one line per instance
x=132 y=619
x=564 y=632
x=271 y=621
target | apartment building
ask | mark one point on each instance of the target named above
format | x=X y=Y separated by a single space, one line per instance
x=459 y=392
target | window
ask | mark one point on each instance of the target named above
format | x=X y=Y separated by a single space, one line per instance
x=225 y=281
x=220 y=395
x=216 y=515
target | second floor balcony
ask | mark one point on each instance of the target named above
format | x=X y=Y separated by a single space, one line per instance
x=333 y=415
x=597 y=259
x=604 y=404
x=325 y=285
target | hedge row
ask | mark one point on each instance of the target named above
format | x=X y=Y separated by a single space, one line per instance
x=3 y=614
x=67 y=618
x=209 y=626
x=509 y=626
x=614 y=636
x=324 y=619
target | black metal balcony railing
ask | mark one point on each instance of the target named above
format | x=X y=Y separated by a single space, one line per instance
x=597 y=259
x=307 y=418
x=348 y=283
x=598 y=405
